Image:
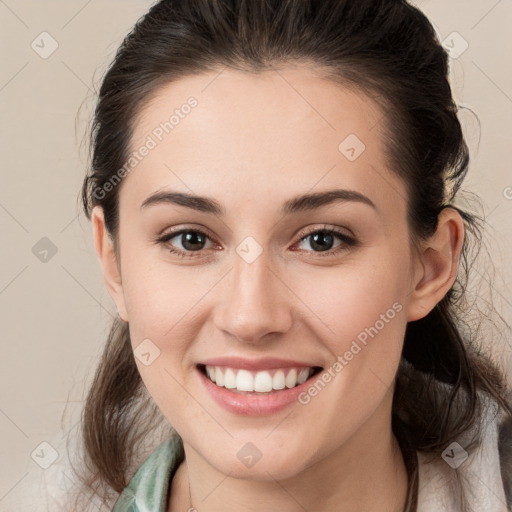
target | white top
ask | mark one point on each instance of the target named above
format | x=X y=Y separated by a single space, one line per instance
x=478 y=472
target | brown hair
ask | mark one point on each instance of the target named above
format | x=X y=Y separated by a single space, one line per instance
x=386 y=48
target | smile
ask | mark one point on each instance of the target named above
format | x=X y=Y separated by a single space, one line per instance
x=264 y=381
x=255 y=387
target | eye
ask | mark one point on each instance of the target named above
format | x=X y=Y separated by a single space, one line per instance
x=322 y=241
x=191 y=240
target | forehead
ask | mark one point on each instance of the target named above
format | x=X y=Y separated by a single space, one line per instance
x=287 y=130
x=254 y=107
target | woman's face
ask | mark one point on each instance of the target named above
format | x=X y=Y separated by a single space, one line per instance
x=263 y=279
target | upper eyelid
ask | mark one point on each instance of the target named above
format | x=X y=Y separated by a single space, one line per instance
x=328 y=228
x=179 y=231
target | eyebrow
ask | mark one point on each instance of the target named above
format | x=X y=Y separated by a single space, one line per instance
x=302 y=203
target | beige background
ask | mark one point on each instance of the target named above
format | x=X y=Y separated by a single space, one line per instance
x=55 y=314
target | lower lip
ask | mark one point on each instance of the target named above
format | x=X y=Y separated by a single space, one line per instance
x=253 y=405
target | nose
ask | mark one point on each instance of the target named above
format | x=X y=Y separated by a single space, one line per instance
x=254 y=303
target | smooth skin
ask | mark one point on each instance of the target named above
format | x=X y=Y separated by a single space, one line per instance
x=252 y=143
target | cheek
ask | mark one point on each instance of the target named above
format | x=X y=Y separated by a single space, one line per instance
x=359 y=316
x=159 y=295
x=162 y=304
x=352 y=298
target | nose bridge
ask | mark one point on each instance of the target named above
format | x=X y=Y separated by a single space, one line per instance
x=255 y=301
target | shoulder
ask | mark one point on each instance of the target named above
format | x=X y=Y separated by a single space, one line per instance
x=149 y=486
x=470 y=477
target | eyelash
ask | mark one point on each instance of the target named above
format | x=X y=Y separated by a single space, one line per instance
x=347 y=241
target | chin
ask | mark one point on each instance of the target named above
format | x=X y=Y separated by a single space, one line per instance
x=267 y=467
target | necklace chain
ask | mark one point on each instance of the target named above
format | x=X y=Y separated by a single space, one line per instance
x=191 y=508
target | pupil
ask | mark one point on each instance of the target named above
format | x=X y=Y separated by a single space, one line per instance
x=190 y=239
x=321 y=246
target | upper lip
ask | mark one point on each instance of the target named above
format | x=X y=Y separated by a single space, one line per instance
x=265 y=363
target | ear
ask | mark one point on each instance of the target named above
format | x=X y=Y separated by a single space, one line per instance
x=105 y=251
x=437 y=265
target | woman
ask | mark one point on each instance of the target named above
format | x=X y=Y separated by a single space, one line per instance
x=272 y=196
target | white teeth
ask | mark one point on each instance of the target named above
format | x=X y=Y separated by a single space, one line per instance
x=244 y=381
x=291 y=378
x=219 y=377
x=260 y=382
x=230 y=379
x=303 y=376
x=278 y=380
x=263 y=382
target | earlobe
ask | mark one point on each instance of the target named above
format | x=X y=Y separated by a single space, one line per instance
x=439 y=262
x=108 y=261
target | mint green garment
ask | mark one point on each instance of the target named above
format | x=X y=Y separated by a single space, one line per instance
x=149 y=488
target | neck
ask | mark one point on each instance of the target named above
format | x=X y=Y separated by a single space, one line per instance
x=365 y=473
